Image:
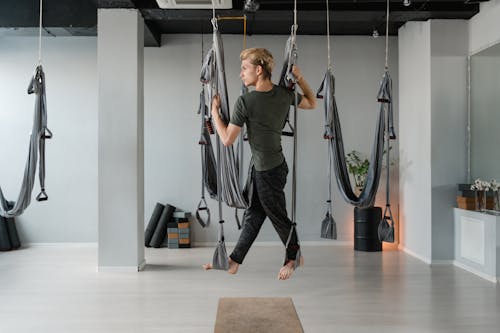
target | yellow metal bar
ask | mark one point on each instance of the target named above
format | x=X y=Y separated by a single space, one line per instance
x=244 y=32
x=222 y=18
x=244 y=18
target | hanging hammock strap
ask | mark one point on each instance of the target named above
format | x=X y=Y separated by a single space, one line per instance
x=289 y=81
x=387 y=211
x=329 y=201
x=328 y=134
x=239 y=158
x=202 y=207
x=385 y=96
x=208 y=162
x=205 y=145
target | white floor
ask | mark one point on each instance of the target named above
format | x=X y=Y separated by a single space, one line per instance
x=57 y=289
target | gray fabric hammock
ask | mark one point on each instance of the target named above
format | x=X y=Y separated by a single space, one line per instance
x=39 y=133
x=333 y=133
x=228 y=179
x=213 y=74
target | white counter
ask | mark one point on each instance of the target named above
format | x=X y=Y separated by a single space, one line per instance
x=477 y=243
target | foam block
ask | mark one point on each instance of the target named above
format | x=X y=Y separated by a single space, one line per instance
x=181 y=214
x=183 y=225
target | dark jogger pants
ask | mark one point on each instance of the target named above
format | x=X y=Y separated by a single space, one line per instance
x=267 y=200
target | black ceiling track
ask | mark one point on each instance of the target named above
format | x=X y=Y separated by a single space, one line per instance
x=347 y=17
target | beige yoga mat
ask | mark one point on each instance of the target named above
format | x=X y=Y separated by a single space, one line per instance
x=257 y=314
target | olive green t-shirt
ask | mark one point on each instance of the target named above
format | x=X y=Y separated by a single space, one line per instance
x=265 y=114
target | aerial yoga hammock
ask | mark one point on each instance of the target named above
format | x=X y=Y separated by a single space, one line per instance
x=228 y=179
x=39 y=133
x=333 y=135
x=209 y=163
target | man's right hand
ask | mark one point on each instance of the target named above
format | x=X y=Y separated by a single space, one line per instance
x=215 y=104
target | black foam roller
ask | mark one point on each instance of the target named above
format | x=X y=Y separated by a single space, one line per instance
x=153 y=222
x=13 y=236
x=4 y=235
x=15 y=243
x=161 y=228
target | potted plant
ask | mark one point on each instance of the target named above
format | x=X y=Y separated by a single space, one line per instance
x=357 y=165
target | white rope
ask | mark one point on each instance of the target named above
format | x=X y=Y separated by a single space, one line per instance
x=214 y=19
x=295 y=14
x=294 y=26
x=213 y=10
x=40 y=35
x=328 y=34
x=294 y=168
x=387 y=38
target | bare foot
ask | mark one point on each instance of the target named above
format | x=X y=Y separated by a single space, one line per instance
x=233 y=266
x=287 y=270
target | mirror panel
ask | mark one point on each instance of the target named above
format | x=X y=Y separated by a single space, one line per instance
x=485 y=114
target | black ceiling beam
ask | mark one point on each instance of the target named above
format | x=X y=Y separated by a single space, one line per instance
x=347 y=17
x=152 y=35
x=140 y=4
x=56 y=13
x=316 y=16
x=115 y=4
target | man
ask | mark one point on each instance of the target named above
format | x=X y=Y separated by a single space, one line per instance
x=264 y=111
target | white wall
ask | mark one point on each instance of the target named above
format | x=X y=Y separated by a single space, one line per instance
x=172 y=161
x=415 y=138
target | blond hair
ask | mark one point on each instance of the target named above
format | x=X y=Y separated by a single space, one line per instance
x=259 y=57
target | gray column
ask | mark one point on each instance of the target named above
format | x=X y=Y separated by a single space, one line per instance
x=120 y=57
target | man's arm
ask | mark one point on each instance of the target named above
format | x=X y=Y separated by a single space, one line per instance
x=309 y=99
x=227 y=134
